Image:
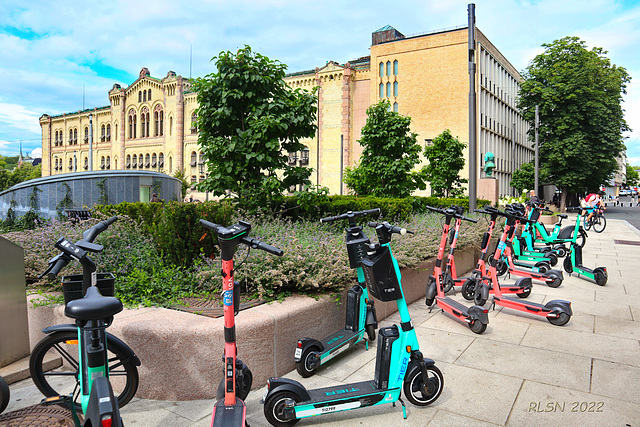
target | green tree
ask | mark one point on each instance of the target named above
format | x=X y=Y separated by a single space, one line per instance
x=524 y=177
x=249 y=120
x=446 y=160
x=3 y=163
x=633 y=178
x=390 y=152
x=184 y=184
x=579 y=93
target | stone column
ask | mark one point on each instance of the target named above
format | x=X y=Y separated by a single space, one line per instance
x=179 y=158
x=346 y=120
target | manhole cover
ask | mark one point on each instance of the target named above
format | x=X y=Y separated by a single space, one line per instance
x=38 y=415
x=627 y=242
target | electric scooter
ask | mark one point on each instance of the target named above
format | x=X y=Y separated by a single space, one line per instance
x=230 y=409
x=476 y=317
x=556 y=239
x=505 y=264
x=573 y=261
x=557 y=312
x=361 y=313
x=450 y=275
x=400 y=366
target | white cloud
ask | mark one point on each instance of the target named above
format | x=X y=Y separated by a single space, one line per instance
x=19 y=117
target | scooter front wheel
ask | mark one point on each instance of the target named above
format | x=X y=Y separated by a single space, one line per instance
x=274 y=408
x=568 y=267
x=4 y=394
x=469 y=289
x=304 y=365
x=420 y=393
x=371 y=332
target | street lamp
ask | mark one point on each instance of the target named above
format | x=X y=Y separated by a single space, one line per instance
x=90 y=142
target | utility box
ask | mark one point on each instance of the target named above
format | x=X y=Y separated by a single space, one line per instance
x=14 y=323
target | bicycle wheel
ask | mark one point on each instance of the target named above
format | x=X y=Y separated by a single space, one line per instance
x=62 y=346
x=599 y=224
x=586 y=223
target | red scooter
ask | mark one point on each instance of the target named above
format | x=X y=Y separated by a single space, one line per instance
x=476 y=317
x=230 y=409
x=557 y=312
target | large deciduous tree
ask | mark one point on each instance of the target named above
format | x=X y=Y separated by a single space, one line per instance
x=248 y=122
x=390 y=152
x=446 y=160
x=579 y=93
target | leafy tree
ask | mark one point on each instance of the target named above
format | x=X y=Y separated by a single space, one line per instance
x=446 y=160
x=3 y=163
x=390 y=151
x=524 y=177
x=24 y=173
x=248 y=121
x=184 y=184
x=579 y=93
x=633 y=178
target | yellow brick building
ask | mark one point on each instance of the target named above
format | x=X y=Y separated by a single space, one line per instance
x=148 y=125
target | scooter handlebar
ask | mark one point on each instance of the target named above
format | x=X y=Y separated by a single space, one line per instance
x=351 y=214
x=92 y=233
x=209 y=225
x=257 y=244
x=391 y=228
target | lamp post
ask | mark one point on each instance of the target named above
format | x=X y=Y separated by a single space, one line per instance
x=90 y=142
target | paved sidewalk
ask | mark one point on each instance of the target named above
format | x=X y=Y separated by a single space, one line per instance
x=521 y=371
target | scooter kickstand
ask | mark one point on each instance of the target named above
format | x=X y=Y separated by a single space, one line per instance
x=404 y=408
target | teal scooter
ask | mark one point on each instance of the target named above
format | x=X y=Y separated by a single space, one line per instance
x=311 y=353
x=400 y=366
x=558 y=237
x=573 y=261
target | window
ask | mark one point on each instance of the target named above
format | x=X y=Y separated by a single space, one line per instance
x=139 y=96
x=170 y=125
x=128 y=164
x=304 y=157
x=86 y=163
x=388 y=90
x=293 y=158
x=108 y=162
x=116 y=137
x=144 y=119
x=194 y=159
x=109 y=132
x=144 y=95
x=388 y=68
x=194 y=128
x=154 y=160
x=103 y=133
x=395 y=107
x=132 y=124
x=70 y=164
x=161 y=160
x=147 y=161
x=75 y=136
x=140 y=160
x=381 y=69
x=134 y=162
x=381 y=90
x=395 y=89
x=395 y=67
x=102 y=162
x=143 y=122
x=149 y=95
x=158 y=118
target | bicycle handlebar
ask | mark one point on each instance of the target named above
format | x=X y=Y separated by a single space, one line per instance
x=351 y=214
x=60 y=261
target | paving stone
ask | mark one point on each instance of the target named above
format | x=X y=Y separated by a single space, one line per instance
x=616 y=380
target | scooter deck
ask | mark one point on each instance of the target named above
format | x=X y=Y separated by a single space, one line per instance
x=225 y=416
x=340 y=340
x=531 y=306
x=348 y=392
x=458 y=308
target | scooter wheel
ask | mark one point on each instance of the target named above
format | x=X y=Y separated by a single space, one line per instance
x=477 y=327
x=555 y=282
x=371 y=332
x=478 y=298
x=600 y=278
x=542 y=266
x=553 y=259
x=448 y=284
x=582 y=238
x=561 y=251
x=567 y=264
x=274 y=408
x=420 y=393
x=4 y=394
x=304 y=365
x=524 y=294
x=469 y=289
x=561 y=320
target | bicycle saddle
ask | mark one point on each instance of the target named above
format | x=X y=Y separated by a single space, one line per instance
x=93 y=306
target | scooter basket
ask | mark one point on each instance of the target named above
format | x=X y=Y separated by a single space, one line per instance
x=72 y=286
x=357 y=250
x=380 y=276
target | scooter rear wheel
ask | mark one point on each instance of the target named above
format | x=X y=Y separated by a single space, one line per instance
x=274 y=408
x=4 y=394
x=524 y=294
x=553 y=258
x=419 y=393
x=542 y=266
x=304 y=365
x=567 y=264
x=477 y=327
x=600 y=278
x=561 y=320
x=469 y=289
x=555 y=283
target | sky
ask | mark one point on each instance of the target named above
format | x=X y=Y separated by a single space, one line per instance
x=64 y=56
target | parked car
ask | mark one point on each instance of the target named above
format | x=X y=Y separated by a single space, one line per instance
x=624 y=193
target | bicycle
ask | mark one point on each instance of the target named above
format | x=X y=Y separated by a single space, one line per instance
x=103 y=362
x=597 y=221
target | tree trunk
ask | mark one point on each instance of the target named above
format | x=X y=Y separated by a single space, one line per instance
x=563 y=200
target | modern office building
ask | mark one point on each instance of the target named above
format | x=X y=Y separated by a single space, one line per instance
x=148 y=125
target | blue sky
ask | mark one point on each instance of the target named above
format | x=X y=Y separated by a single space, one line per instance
x=55 y=55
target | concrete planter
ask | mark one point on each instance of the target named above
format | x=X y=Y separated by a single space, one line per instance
x=548 y=219
x=181 y=352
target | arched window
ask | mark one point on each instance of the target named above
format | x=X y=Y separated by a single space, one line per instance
x=395 y=107
x=170 y=164
x=381 y=90
x=149 y=95
x=71 y=163
x=201 y=163
x=108 y=162
x=144 y=118
x=134 y=162
x=132 y=124
x=144 y=95
x=395 y=88
x=388 y=90
x=158 y=117
x=388 y=68
x=75 y=136
x=194 y=159
x=102 y=163
x=382 y=69
x=194 y=117
x=147 y=161
x=161 y=161
x=109 y=132
x=86 y=163
x=70 y=136
x=140 y=161
x=154 y=160
x=128 y=164
x=395 y=67
x=103 y=133
x=170 y=126
x=116 y=137
x=140 y=96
